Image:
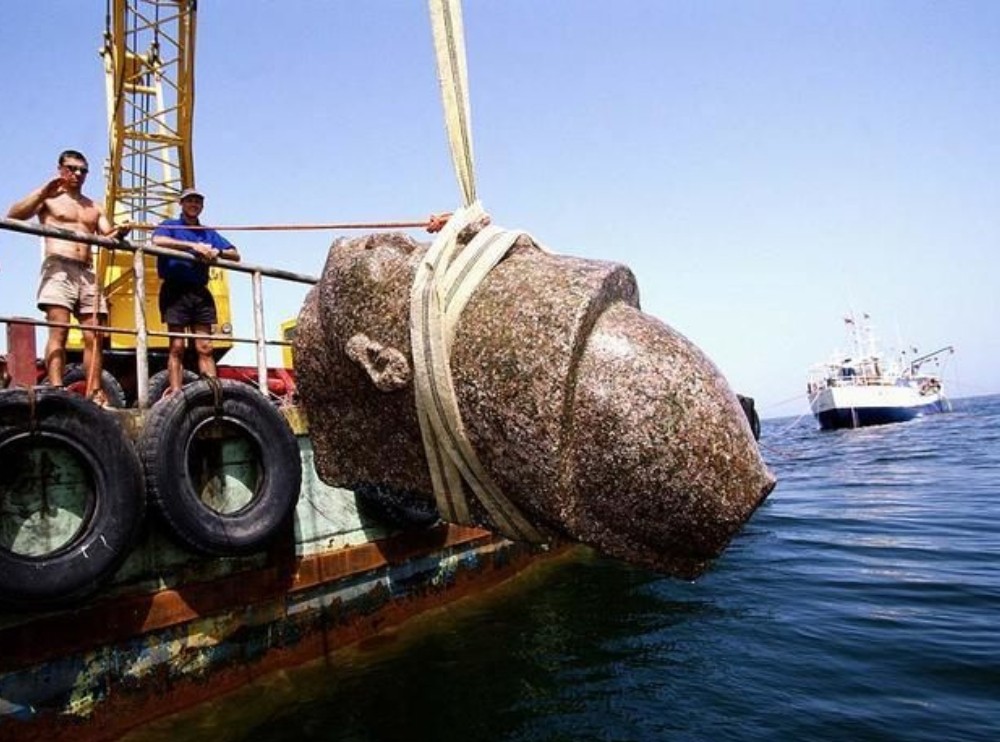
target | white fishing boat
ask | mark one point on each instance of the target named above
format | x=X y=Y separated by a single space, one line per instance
x=865 y=386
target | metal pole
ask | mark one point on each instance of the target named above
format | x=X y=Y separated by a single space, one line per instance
x=16 y=225
x=141 y=339
x=259 y=331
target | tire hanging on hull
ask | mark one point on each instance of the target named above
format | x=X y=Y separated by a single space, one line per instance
x=75 y=381
x=160 y=382
x=222 y=466
x=71 y=494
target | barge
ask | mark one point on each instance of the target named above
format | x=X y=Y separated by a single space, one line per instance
x=173 y=628
x=157 y=555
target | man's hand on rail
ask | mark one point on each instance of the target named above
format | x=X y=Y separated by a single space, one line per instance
x=203 y=251
x=121 y=231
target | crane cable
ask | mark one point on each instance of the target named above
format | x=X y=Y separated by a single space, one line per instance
x=445 y=281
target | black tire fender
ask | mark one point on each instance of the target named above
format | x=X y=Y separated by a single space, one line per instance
x=222 y=466
x=160 y=382
x=71 y=497
x=75 y=381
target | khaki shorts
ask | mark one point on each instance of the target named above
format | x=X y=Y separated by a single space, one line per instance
x=71 y=284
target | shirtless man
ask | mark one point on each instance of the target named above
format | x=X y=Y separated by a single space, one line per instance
x=68 y=281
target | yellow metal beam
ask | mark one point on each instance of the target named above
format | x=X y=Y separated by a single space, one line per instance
x=148 y=59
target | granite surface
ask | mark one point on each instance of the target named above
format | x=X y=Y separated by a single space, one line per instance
x=601 y=423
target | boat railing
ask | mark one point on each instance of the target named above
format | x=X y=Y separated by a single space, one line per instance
x=140 y=331
x=845 y=376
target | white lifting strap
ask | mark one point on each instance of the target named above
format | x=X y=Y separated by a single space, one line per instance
x=445 y=281
x=449 y=48
x=443 y=285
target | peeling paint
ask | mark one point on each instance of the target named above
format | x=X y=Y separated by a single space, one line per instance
x=172 y=620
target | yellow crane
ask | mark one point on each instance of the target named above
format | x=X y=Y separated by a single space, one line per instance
x=148 y=54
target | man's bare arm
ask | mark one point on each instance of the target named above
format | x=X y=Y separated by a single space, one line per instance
x=107 y=229
x=161 y=240
x=230 y=253
x=201 y=250
x=31 y=204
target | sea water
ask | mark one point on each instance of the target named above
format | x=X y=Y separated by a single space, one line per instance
x=861 y=602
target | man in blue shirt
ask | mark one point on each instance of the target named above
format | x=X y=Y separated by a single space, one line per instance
x=185 y=301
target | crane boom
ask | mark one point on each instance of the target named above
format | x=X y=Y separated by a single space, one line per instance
x=149 y=74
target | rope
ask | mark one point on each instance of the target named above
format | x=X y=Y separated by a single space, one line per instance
x=216 y=387
x=32 y=411
x=94 y=383
x=293 y=227
x=445 y=280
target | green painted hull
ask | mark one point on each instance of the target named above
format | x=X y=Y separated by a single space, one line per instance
x=174 y=628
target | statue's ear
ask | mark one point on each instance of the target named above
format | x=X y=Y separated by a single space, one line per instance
x=386 y=367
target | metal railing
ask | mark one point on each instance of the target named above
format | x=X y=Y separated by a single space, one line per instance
x=140 y=331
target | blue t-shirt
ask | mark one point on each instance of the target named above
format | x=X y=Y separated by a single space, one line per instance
x=177 y=270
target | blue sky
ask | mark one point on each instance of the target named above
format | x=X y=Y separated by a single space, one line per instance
x=763 y=167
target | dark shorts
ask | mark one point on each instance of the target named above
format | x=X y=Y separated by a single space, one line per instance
x=186 y=305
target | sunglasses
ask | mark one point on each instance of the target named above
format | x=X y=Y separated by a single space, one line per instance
x=78 y=169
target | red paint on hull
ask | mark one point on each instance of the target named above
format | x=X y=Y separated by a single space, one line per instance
x=114 y=620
